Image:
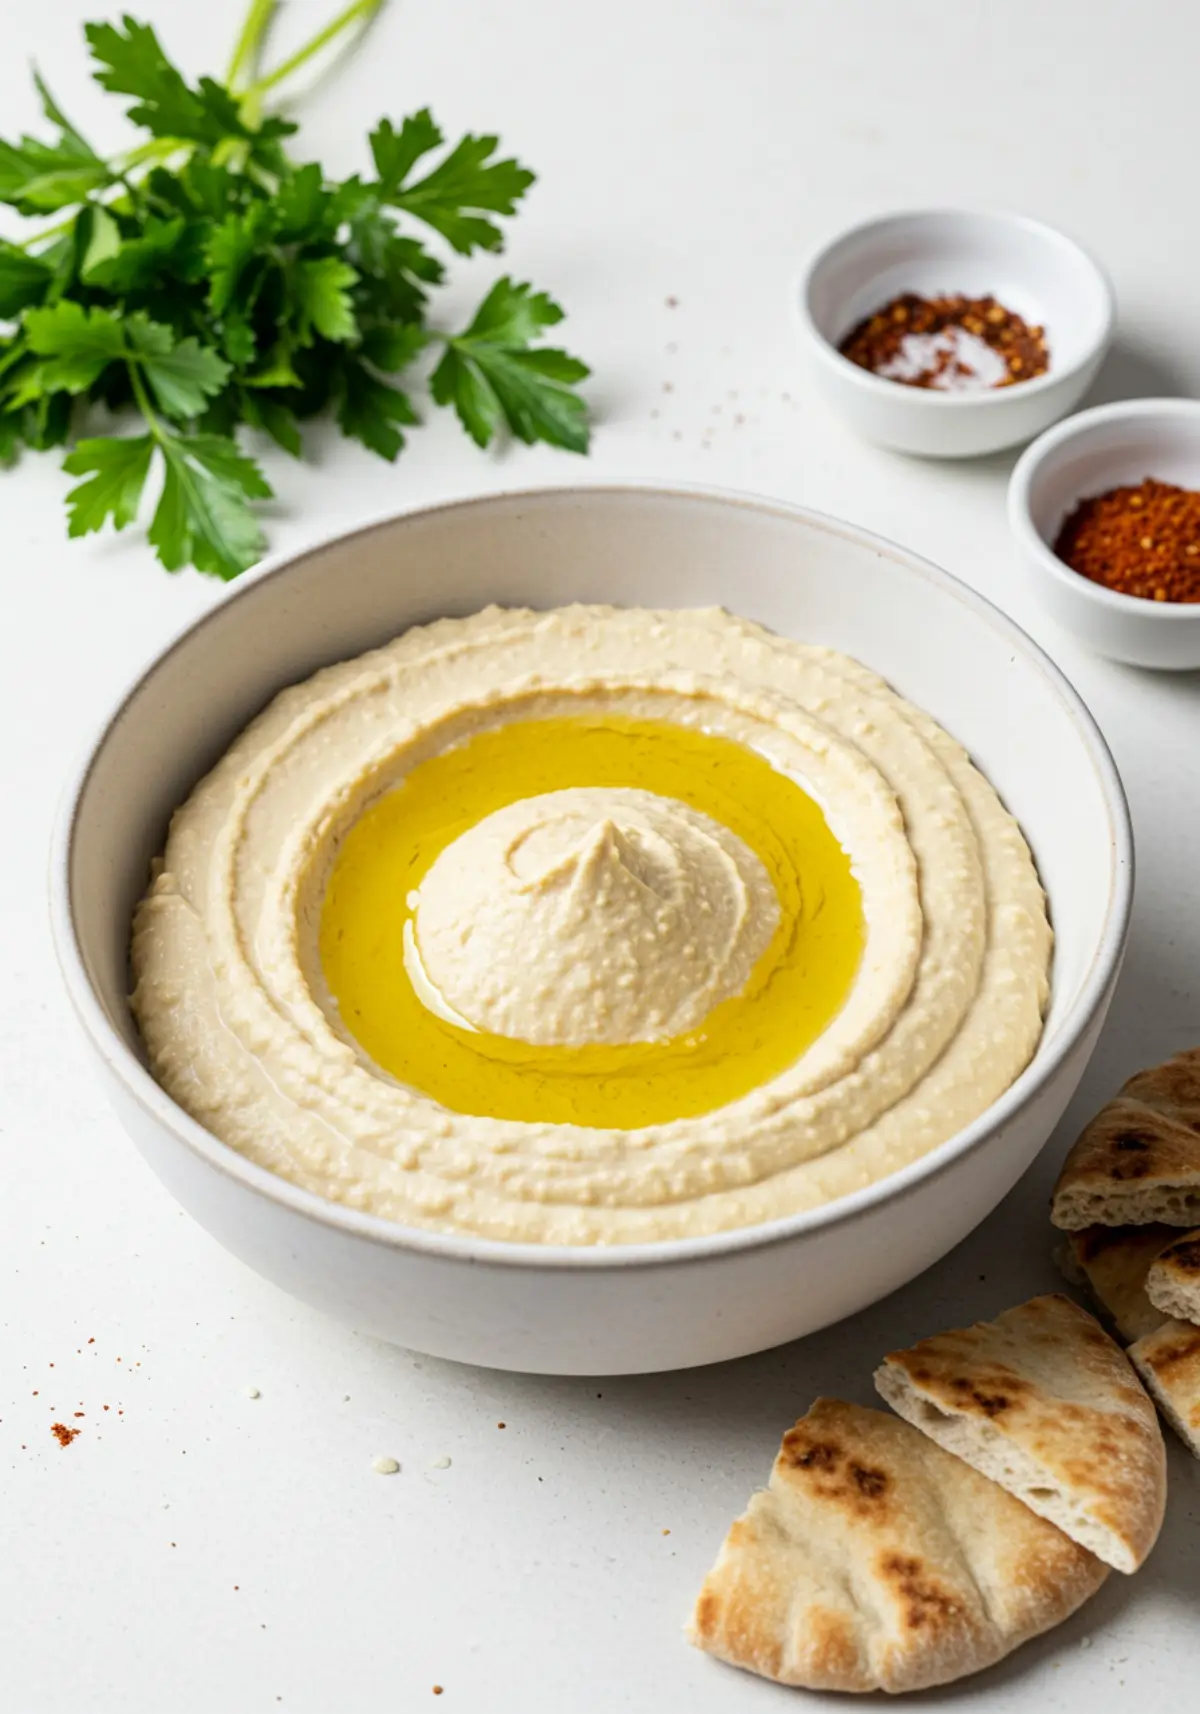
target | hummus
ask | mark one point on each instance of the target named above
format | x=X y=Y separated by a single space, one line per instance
x=594 y=926
x=644 y=914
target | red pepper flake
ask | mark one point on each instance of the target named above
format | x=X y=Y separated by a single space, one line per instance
x=437 y=1690
x=78 y=1413
x=1141 y=540
x=951 y=342
x=91 y=1341
x=62 y=1433
x=501 y=1425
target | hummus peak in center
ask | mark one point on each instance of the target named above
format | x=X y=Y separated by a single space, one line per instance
x=592 y=926
x=593 y=914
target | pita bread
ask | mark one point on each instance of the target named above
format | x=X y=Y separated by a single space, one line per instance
x=1173 y=1283
x=1112 y=1262
x=1044 y=1403
x=875 y=1561
x=1169 y=1363
x=1139 y=1159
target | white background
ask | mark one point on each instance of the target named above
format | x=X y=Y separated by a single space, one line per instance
x=207 y=1553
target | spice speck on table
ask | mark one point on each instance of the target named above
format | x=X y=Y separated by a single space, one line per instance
x=1142 y=541
x=951 y=344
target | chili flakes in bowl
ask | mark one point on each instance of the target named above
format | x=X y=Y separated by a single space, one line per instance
x=951 y=343
x=1141 y=540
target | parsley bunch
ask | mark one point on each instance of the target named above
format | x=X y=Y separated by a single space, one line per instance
x=206 y=280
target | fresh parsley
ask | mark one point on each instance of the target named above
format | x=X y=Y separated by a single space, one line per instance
x=205 y=281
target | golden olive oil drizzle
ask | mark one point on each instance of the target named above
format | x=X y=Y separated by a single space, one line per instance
x=794 y=992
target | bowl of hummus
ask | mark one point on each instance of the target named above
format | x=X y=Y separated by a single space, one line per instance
x=594 y=931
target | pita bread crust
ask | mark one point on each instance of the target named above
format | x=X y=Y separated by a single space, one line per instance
x=1173 y=1087
x=1173 y=1282
x=1169 y=1363
x=1139 y=1159
x=875 y=1561
x=1045 y=1403
x=1113 y=1262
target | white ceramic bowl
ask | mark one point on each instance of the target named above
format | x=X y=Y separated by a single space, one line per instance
x=1100 y=449
x=653 y=1306
x=1032 y=269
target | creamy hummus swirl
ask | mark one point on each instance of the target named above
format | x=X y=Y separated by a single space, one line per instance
x=945 y=1012
x=645 y=913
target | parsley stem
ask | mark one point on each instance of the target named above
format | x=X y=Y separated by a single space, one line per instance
x=364 y=9
x=142 y=398
x=249 y=42
x=158 y=149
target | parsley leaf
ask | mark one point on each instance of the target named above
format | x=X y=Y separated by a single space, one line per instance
x=393 y=345
x=369 y=410
x=302 y=207
x=116 y=473
x=182 y=374
x=38 y=178
x=272 y=417
x=322 y=290
x=231 y=246
x=125 y=264
x=202 y=517
x=133 y=63
x=24 y=280
x=70 y=137
x=491 y=376
x=453 y=195
x=78 y=344
x=10 y=436
x=395 y=153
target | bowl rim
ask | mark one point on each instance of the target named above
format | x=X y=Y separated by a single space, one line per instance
x=1042 y=452
x=930 y=398
x=139 y=1085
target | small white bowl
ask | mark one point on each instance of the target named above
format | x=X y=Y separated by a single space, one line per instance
x=635 y=1307
x=1032 y=269
x=1100 y=449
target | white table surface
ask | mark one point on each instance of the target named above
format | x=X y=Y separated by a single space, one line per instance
x=198 y=1551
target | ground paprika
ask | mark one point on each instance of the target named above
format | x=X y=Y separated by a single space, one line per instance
x=1142 y=541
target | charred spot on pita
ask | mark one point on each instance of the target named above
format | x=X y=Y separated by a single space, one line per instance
x=924 y=1598
x=1136 y=1146
x=810 y=1455
x=873 y=1484
x=1183 y=1350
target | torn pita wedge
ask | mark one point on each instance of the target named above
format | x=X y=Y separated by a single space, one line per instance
x=1169 y=1363
x=1112 y=1262
x=1043 y=1402
x=1139 y=1160
x=1173 y=1283
x=875 y=1561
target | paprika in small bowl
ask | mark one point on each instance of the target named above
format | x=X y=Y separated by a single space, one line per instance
x=1004 y=322
x=1132 y=593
